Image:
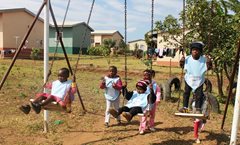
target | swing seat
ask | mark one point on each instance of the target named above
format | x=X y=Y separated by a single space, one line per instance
x=191 y=115
x=54 y=106
x=140 y=114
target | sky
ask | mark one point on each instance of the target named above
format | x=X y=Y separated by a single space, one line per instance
x=106 y=14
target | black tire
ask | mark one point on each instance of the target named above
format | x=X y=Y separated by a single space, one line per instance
x=232 y=98
x=174 y=84
x=165 y=91
x=213 y=102
x=207 y=86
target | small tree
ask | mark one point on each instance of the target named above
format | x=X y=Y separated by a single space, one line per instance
x=110 y=45
x=35 y=53
x=100 y=50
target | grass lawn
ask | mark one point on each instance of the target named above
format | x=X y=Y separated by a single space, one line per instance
x=26 y=79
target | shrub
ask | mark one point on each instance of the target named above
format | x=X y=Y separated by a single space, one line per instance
x=35 y=53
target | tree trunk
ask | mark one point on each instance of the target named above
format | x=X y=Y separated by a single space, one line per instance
x=220 y=84
x=219 y=80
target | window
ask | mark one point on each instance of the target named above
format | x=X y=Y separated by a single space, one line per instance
x=97 y=44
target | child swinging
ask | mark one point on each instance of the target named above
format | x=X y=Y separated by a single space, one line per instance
x=148 y=77
x=138 y=101
x=195 y=66
x=62 y=92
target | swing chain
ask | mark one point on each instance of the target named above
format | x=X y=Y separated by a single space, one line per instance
x=125 y=38
x=84 y=37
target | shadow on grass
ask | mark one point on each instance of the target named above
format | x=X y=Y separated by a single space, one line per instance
x=110 y=138
x=178 y=130
x=94 y=113
x=177 y=142
x=221 y=138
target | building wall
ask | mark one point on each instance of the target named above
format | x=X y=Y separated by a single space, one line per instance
x=67 y=40
x=141 y=45
x=79 y=32
x=117 y=37
x=13 y=32
x=72 y=39
x=106 y=37
x=1 y=32
x=97 y=39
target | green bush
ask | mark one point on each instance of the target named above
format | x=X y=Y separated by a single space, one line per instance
x=35 y=53
x=99 y=50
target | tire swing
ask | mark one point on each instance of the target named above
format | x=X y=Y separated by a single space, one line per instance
x=213 y=102
x=172 y=85
x=207 y=87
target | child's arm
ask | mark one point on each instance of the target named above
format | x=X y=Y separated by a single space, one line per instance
x=103 y=83
x=127 y=94
x=182 y=62
x=73 y=85
x=158 y=94
x=48 y=85
x=151 y=96
x=118 y=85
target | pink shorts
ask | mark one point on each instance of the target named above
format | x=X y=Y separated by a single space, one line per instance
x=56 y=99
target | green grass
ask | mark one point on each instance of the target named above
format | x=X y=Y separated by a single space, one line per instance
x=26 y=79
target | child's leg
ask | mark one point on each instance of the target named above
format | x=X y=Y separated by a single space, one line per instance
x=116 y=107
x=152 y=116
x=143 y=124
x=123 y=109
x=132 y=112
x=40 y=97
x=47 y=101
x=107 y=114
x=135 y=110
x=37 y=103
x=199 y=97
x=196 y=130
x=186 y=95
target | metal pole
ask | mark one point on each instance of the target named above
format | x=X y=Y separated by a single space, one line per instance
x=46 y=58
x=231 y=84
x=236 y=109
x=65 y=55
x=152 y=44
x=125 y=39
x=21 y=45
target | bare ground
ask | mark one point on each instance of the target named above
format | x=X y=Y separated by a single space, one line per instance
x=78 y=128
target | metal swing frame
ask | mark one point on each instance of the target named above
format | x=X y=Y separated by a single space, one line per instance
x=61 y=43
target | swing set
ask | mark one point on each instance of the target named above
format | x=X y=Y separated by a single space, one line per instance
x=54 y=106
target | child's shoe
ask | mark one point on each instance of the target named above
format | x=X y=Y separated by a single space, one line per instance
x=25 y=109
x=36 y=107
x=106 y=124
x=141 y=132
x=198 y=141
x=152 y=129
x=113 y=113
x=184 y=110
x=127 y=115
